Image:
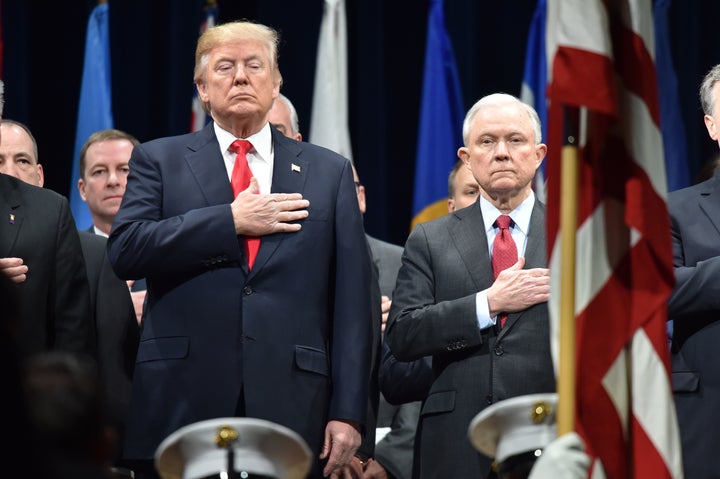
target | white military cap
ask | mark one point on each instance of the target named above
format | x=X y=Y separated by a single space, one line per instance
x=515 y=426
x=260 y=447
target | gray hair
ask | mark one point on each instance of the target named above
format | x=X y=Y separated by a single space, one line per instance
x=500 y=99
x=294 y=122
x=707 y=99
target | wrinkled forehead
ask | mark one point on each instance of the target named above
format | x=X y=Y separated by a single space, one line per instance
x=15 y=137
x=242 y=49
x=502 y=120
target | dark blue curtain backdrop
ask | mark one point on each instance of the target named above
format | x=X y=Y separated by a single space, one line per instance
x=152 y=50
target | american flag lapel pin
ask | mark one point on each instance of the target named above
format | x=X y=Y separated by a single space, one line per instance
x=295 y=168
x=12 y=219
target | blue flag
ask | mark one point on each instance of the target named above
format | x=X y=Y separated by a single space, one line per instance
x=671 y=122
x=95 y=107
x=534 y=81
x=441 y=117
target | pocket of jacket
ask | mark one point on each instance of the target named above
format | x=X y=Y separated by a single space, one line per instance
x=312 y=360
x=163 y=348
x=439 y=402
x=685 y=381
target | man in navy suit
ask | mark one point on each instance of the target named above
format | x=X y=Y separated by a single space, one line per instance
x=694 y=306
x=287 y=339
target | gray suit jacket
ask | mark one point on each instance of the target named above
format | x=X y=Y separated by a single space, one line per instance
x=445 y=263
x=694 y=307
x=395 y=450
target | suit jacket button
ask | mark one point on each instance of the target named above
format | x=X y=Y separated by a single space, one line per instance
x=247 y=290
x=499 y=351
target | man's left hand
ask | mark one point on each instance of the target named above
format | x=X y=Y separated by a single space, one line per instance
x=342 y=440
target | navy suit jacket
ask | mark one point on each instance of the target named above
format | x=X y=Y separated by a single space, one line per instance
x=53 y=302
x=694 y=307
x=293 y=335
x=116 y=331
x=444 y=264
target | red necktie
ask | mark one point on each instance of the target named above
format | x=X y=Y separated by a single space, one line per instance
x=504 y=252
x=240 y=180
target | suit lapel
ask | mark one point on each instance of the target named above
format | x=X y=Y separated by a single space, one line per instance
x=535 y=251
x=289 y=176
x=11 y=217
x=468 y=234
x=710 y=203
x=207 y=165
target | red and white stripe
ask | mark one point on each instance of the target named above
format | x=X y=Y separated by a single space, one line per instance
x=601 y=60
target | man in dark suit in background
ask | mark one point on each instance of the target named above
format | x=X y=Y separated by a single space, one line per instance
x=104 y=166
x=115 y=332
x=694 y=305
x=393 y=455
x=286 y=338
x=448 y=305
x=40 y=254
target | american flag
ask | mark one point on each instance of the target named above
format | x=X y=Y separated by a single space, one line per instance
x=601 y=70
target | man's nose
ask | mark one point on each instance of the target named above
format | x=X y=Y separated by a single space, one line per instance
x=501 y=149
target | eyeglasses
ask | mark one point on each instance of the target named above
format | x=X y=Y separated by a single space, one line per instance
x=357 y=186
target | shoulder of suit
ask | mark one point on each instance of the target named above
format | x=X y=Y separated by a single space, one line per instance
x=303 y=147
x=380 y=245
x=707 y=187
x=32 y=191
x=89 y=237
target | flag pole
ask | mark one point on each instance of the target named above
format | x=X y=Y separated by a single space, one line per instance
x=568 y=225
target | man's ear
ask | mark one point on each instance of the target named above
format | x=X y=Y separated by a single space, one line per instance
x=463 y=154
x=202 y=91
x=712 y=127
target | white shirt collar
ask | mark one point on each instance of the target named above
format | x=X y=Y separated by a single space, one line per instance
x=260 y=158
x=99 y=232
x=520 y=215
x=261 y=141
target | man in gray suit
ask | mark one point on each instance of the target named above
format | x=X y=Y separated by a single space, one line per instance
x=447 y=302
x=694 y=307
x=393 y=456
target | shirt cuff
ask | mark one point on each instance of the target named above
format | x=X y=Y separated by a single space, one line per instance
x=482 y=311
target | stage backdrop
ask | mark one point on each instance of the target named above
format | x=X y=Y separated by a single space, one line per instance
x=152 y=54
